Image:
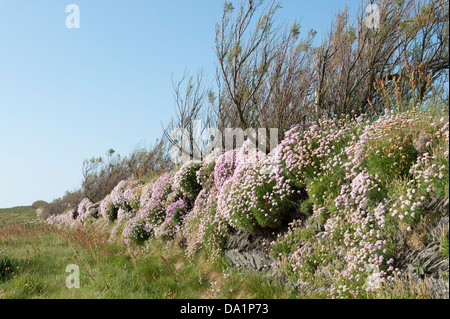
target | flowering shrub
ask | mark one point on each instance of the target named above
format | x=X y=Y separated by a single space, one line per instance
x=356 y=186
x=360 y=228
x=303 y=154
x=185 y=180
x=205 y=175
x=224 y=168
x=108 y=210
x=154 y=211
x=204 y=227
x=137 y=230
x=42 y=213
x=86 y=209
x=192 y=229
x=254 y=198
x=381 y=181
x=126 y=195
x=176 y=210
x=67 y=218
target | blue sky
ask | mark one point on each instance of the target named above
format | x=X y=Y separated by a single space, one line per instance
x=67 y=95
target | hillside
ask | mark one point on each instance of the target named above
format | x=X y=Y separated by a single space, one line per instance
x=303 y=160
x=17 y=214
x=356 y=208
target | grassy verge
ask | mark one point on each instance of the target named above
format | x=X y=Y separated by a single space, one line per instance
x=36 y=257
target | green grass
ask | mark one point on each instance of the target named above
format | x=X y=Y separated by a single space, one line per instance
x=39 y=254
x=17 y=214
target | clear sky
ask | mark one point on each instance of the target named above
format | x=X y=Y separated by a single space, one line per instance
x=67 y=95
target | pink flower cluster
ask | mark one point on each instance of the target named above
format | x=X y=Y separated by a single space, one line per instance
x=66 y=219
x=256 y=195
x=85 y=209
x=107 y=209
x=203 y=226
x=224 y=168
x=154 y=210
x=137 y=230
x=246 y=189
x=304 y=153
x=126 y=194
x=176 y=209
x=185 y=180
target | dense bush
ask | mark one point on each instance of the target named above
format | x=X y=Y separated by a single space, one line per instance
x=70 y=200
x=126 y=195
x=137 y=230
x=87 y=209
x=39 y=203
x=205 y=175
x=255 y=197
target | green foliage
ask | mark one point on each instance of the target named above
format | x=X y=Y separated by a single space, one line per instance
x=206 y=175
x=139 y=231
x=391 y=156
x=306 y=207
x=188 y=180
x=286 y=245
x=6 y=268
x=39 y=203
x=216 y=234
x=112 y=212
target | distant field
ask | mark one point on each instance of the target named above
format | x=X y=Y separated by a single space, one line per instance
x=16 y=214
